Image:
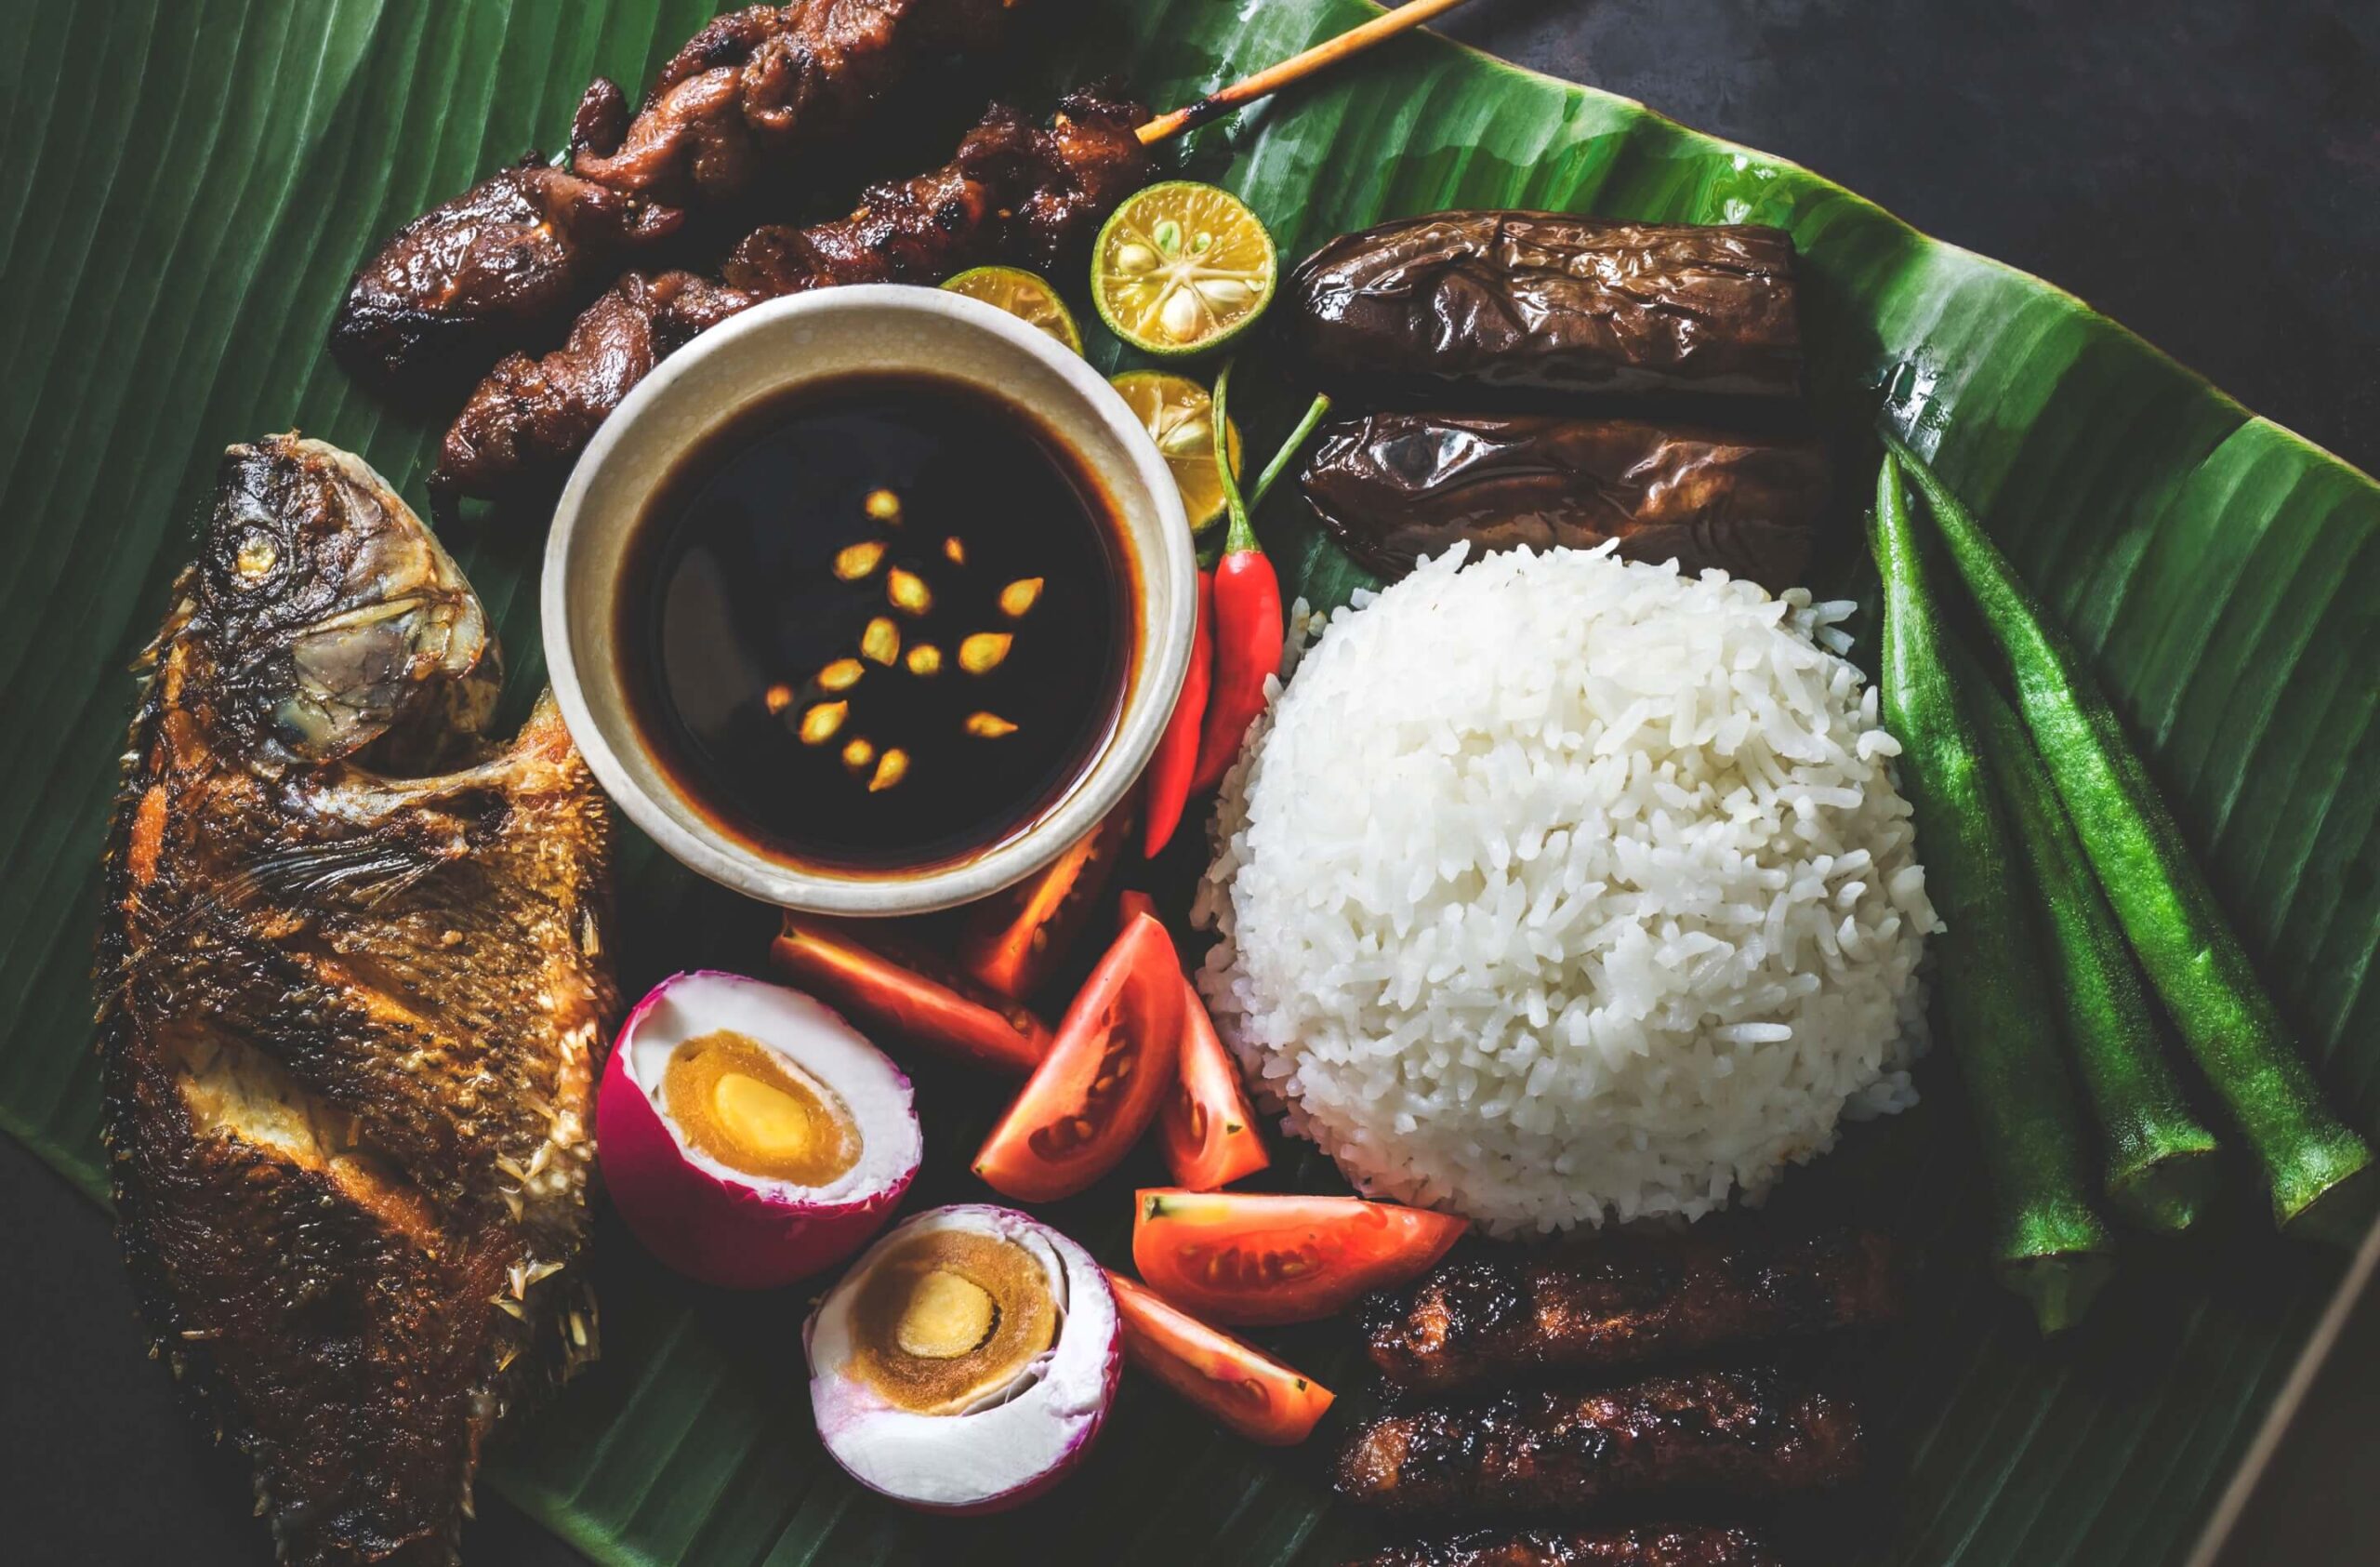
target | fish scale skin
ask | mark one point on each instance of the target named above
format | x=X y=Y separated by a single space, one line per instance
x=349 y=1024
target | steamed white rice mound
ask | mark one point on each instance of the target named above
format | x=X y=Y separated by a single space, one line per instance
x=1561 y=888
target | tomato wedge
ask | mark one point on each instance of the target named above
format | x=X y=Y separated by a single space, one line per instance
x=1099 y=1086
x=1236 y=1256
x=906 y=997
x=1012 y=939
x=1131 y=902
x=1207 y=1130
x=1236 y=1383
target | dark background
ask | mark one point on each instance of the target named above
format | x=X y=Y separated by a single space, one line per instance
x=2206 y=171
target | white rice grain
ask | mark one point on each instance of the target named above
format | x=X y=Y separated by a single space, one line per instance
x=1560 y=888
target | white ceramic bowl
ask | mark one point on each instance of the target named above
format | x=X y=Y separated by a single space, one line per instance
x=792 y=342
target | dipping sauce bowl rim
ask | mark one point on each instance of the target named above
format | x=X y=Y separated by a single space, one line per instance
x=1149 y=512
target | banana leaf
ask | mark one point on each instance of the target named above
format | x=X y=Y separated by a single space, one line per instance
x=183 y=189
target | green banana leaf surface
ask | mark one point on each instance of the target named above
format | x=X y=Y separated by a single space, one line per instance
x=184 y=188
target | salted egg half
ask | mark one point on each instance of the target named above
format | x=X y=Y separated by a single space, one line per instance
x=748 y=1133
x=966 y=1362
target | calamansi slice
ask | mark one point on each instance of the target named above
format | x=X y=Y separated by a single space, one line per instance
x=1024 y=295
x=1180 y=417
x=1181 y=267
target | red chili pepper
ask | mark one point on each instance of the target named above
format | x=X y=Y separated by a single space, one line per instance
x=1177 y=754
x=1247 y=648
x=1248 y=605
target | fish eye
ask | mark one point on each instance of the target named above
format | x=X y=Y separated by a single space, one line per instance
x=258 y=553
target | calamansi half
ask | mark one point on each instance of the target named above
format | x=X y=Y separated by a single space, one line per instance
x=1181 y=267
x=1026 y=295
x=1178 y=417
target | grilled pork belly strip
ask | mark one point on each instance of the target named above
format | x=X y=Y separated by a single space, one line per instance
x=1493 y=1321
x=1682 y=1545
x=1742 y=1433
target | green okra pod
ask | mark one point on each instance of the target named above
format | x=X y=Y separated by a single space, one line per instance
x=2318 y=1170
x=2159 y=1157
x=2050 y=1244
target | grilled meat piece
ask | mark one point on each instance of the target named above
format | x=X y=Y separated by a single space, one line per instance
x=532 y=416
x=1742 y=1433
x=755 y=86
x=1685 y=1545
x=1510 y=1317
x=349 y=1021
x=503 y=266
x=1393 y=487
x=503 y=263
x=1528 y=304
x=1014 y=192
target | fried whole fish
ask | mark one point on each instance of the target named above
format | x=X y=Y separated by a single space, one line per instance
x=351 y=1016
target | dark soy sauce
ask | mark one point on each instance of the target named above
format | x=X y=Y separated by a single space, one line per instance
x=881 y=623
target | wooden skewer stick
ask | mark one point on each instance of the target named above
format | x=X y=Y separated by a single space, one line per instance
x=1273 y=78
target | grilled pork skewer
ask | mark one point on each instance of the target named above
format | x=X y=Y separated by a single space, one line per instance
x=1014 y=193
x=1742 y=1433
x=500 y=266
x=756 y=86
x=1498 y=1320
x=1687 y=1545
x=503 y=265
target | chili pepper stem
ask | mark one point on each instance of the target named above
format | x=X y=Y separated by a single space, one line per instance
x=2317 y=1169
x=1315 y=412
x=2049 y=1245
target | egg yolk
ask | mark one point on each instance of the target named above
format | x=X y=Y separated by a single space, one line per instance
x=951 y=1319
x=753 y=1111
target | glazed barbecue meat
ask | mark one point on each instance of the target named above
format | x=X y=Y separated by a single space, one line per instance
x=1393 y=487
x=531 y=417
x=757 y=86
x=351 y=1017
x=1685 y=1545
x=1513 y=1316
x=1525 y=306
x=1742 y=1433
x=504 y=265
x=1014 y=192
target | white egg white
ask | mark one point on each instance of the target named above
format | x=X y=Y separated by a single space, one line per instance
x=807 y=1034
x=1009 y=1443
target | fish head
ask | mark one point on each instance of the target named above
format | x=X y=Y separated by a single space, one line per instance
x=334 y=613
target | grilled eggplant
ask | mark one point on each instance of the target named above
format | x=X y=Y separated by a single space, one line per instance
x=1393 y=487
x=1686 y=1545
x=350 y=1018
x=1755 y=1433
x=1495 y=1321
x=1534 y=303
